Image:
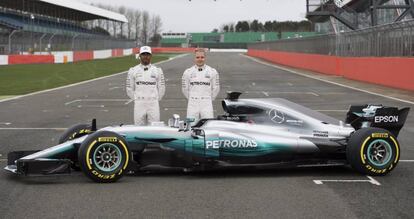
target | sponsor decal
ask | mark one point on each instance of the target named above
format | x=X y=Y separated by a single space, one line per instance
x=323 y=134
x=102 y=176
x=379 y=135
x=199 y=83
x=84 y=131
x=374 y=170
x=107 y=139
x=386 y=119
x=233 y=118
x=146 y=83
x=276 y=116
x=216 y=144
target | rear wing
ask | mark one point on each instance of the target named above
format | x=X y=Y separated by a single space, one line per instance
x=389 y=118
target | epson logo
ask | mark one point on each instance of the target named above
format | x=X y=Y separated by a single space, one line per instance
x=216 y=144
x=200 y=83
x=146 y=83
x=379 y=119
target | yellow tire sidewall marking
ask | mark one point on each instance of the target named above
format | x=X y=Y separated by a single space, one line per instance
x=397 y=149
x=126 y=154
x=362 y=149
x=87 y=154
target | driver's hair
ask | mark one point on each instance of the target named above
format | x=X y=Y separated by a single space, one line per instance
x=200 y=50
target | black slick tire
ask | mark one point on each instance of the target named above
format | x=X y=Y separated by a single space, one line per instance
x=74 y=132
x=104 y=156
x=373 y=151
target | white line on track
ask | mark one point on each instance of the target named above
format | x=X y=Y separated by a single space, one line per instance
x=314 y=94
x=327 y=81
x=84 y=82
x=5 y=123
x=370 y=180
x=97 y=100
x=407 y=161
x=265 y=93
x=91 y=106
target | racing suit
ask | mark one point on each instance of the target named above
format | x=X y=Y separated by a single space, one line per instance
x=145 y=85
x=200 y=85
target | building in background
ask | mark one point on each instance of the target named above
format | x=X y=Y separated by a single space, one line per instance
x=28 y=26
x=345 y=15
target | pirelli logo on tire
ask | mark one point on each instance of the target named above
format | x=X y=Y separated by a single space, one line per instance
x=379 y=135
x=107 y=139
x=103 y=176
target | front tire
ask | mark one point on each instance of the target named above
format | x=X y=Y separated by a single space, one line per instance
x=104 y=156
x=373 y=151
x=74 y=132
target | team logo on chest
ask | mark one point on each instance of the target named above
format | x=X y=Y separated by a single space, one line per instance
x=198 y=83
x=146 y=83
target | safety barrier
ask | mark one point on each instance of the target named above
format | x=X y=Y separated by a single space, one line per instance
x=117 y=52
x=102 y=54
x=394 y=72
x=171 y=49
x=30 y=59
x=63 y=56
x=82 y=55
x=4 y=59
x=75 y=56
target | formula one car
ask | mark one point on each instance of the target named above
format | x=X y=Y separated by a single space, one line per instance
x=253 y=133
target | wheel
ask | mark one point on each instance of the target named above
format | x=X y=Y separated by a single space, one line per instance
x=75 y=131
x=373 y=151
x=104 y=156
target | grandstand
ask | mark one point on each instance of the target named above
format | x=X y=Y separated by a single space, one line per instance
x=46 y=25
x=344 y=15
x=175 y=39
x=227 y=39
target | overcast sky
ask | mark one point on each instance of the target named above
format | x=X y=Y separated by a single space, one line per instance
x=205 y=15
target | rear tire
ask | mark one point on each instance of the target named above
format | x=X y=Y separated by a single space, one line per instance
x=104 y=156
x=373 y=151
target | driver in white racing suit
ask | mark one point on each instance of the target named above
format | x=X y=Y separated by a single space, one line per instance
x=200 y=85
x=145 y=85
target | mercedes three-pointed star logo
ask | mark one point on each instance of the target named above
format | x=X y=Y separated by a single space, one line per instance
x=276 y=116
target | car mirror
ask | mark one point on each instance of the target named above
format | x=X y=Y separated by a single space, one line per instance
x=196 y=133
x=181 y=126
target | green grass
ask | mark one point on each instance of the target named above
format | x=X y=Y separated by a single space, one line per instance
x=23 y=79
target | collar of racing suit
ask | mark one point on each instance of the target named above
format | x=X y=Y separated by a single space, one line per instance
x=145 y=66
x=200 y=68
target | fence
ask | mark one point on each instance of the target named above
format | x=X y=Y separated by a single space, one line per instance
x=396 y=39
x=18 y=42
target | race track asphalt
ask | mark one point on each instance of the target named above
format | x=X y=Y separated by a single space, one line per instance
x=36 y=121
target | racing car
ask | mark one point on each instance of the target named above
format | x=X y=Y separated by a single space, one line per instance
x=252 y=133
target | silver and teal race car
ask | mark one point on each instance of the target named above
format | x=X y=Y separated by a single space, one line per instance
x=253 y=133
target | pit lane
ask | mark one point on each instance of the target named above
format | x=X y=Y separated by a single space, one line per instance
x=36 y=121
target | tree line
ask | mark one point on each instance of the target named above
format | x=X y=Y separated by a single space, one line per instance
x=268 y=26
x=142 y=26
